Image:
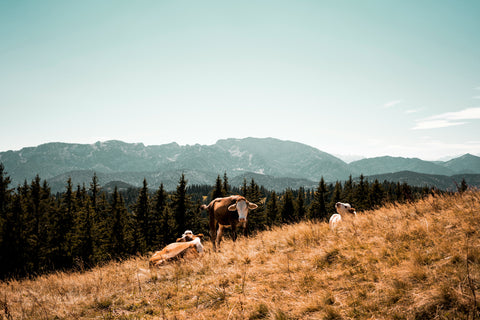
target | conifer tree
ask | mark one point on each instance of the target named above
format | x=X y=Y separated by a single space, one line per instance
x=348 y=190
x=7 y=237
x=463 y=186
x=180 y=206
x=217 y=191
x=376 y=194
x=256 y=218
x=102 y=231
x=168 y=225
x=95 y=190
x=361 y=196
x=288 y=210
x=244 y=187
x=82 y=238
x=4 y=194
x=336 y=197
x=142 y=215
x=226 y=186
x=15 y=239
x=119 y=224
x=272 y=211
x=62 y=223
x=318 y=209
x=300 y=204
x=35 y=220
x=406 y=192
x=160 y=232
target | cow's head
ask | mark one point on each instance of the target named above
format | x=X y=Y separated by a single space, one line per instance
x=344 y=208
x=242 y=206
x=189 y=236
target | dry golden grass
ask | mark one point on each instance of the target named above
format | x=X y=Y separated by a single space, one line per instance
x=403 y=261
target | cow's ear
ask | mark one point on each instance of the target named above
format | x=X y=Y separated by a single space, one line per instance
x=233 y=207
x=352 y=210
x=200 y=235
x=252 y=206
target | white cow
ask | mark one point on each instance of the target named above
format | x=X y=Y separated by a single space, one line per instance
x=342 y=208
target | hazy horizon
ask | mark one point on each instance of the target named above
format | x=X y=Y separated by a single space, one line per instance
x=345 y=157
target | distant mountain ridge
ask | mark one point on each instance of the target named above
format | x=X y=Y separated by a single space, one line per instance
x=280 y=164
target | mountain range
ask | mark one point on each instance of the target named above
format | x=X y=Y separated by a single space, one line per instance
x=275 y=164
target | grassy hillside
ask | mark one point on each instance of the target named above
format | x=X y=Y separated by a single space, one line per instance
x=408 y=261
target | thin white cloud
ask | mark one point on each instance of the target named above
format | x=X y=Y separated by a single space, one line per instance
x=392 y=103
x=412 y=111
x=476 y=97
x=435 y=124
x=448 y=119
x=466 y=114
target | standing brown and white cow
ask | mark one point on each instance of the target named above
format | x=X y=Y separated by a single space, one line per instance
x=227 y=212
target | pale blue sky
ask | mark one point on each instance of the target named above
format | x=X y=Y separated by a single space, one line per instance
x=369 y=78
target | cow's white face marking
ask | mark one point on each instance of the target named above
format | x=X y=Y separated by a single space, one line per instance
x=187 y=233
x=242 y=208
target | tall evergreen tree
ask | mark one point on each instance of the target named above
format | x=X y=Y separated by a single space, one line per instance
x=7 y=238
x=83 y=238
x=102 y=230
x=406 y=191
x=336 y=197
x=244 y=188
x=226 y=186
x=272 y=211
x=300 y=204
x=95 y=190
x=288 y=210
x=217 y=191
x=376 y=194
x=348 y=190
x=63 y=224
x=256 y=218
x=120 y=238
x=158 y=219
x=142 y=214
x=361 y=197
x=4 y=194
x=463 y=186
x=318 y=209
x=35 y=220
x=180 y=206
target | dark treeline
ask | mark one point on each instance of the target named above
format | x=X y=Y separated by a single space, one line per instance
x=85 y=226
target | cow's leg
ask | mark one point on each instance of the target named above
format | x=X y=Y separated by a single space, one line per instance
x=213 y=233
x=219 y=235
x=234 y=232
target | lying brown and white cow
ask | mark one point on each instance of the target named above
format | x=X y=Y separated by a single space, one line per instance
x=227 y=212
x=188 y=246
